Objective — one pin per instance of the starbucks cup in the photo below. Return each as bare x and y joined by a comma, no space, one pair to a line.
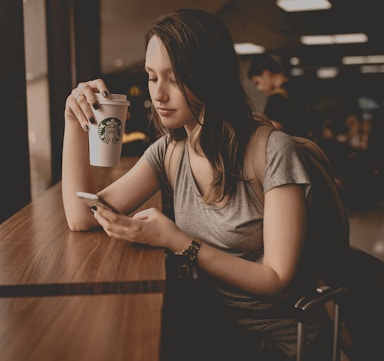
106,135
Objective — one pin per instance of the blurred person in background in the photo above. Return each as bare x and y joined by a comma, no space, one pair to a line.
267,74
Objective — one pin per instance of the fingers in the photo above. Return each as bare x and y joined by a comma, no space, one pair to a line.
107,219
113,224
81,99
74,113
80,108
88,90
103,213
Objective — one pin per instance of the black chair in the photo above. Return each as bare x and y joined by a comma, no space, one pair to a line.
308,304
358,310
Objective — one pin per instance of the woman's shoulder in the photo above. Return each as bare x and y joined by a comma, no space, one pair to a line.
159,146
156,151
163,152
272,138
281,141
284,162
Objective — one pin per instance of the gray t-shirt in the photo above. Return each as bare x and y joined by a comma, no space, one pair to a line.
237,227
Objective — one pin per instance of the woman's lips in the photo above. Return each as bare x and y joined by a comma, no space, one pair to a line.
165,112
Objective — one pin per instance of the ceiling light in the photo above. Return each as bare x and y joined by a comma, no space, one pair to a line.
370,69
351,60
303,5
330,72
368,59
334,39
248,48
316,39
371,59
294,61
297,72
350,38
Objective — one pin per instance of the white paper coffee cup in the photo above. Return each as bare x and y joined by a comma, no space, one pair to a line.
106,135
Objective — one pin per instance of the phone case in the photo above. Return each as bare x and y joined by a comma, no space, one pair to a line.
93,200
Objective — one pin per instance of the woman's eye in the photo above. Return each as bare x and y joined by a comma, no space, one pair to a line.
152,79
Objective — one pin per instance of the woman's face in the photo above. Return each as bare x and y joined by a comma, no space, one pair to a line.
168,100
263,82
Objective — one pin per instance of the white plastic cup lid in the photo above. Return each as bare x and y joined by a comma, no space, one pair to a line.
112,98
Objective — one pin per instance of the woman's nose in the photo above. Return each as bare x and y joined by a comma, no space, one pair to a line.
159,91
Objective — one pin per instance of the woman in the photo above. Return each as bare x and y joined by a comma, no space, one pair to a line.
250,255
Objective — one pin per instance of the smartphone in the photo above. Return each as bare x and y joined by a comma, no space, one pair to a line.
94,200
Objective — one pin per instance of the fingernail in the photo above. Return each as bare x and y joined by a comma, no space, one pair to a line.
85,127
105,93
95,106
93,209
92,120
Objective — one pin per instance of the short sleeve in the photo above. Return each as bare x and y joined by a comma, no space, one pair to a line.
284,163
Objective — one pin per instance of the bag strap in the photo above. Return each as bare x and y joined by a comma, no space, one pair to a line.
255,158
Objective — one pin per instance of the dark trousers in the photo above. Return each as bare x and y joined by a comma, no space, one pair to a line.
195,328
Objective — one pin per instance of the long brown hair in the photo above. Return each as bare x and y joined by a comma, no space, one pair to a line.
205,65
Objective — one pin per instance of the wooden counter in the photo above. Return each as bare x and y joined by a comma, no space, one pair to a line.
39,255
81,328
80,296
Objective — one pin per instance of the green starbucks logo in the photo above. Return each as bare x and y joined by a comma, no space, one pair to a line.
110,130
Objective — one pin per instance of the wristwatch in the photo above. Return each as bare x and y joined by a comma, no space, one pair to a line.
186,261
191,252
